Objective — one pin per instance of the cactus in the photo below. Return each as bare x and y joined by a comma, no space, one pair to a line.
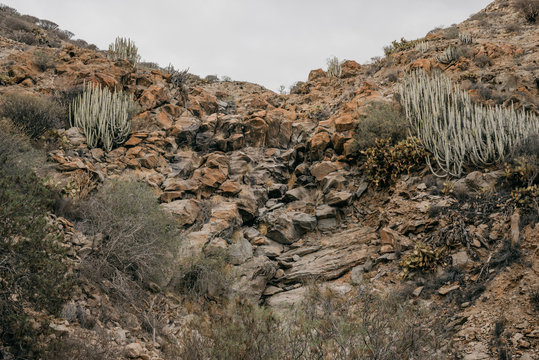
334,67
124,48
103,116
450,55
454,130
466,38
422,46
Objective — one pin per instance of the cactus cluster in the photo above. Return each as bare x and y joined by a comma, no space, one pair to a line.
457,132
334,67
449,55
422,46
103,116
124,48
465,38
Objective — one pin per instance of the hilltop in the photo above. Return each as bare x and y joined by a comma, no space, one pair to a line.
226,199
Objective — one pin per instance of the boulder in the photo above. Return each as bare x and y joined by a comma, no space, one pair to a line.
186,211
338,198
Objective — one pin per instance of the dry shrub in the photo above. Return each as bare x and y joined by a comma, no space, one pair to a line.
31,113
136,236
206,276
529,8
381,121
325,325
43,59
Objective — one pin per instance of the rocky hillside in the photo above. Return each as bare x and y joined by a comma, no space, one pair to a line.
281,187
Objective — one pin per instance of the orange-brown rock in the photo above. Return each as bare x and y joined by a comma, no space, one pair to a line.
344,122
316,74
350,68
319,143
154,96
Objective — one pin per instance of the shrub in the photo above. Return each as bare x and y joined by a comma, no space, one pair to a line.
103,116
334,67
482,61
43,60
17,156
205,276
401,45
381,121
124,48
33,271
529,8
33,114
299,88
384,162
138,237
324,325
457,132
451,32
423,258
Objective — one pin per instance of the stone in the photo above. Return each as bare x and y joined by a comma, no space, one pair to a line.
133,350
322,169
186,211
252,278
325,212
287,299
417,291
344,123
338,198
337,255
150,161
444,290
327,224
230,187
350,68
385,249
319,143
316,74
240,252
304,222
460,259
75,136
296,194
356,276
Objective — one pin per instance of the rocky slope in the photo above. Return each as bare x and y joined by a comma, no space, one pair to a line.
276,181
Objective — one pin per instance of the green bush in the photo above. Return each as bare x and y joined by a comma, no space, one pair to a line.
103,116
138,238
124,48
31,113
455,131
382,121
385,162
33,266
401,45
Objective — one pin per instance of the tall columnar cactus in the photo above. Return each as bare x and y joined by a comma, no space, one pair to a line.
103,116
334,67
465,38
449,55
124,48
456,131
422,46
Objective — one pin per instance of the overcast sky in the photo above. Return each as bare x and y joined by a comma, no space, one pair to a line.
269,42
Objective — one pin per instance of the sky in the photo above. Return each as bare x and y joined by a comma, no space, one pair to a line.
268,42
